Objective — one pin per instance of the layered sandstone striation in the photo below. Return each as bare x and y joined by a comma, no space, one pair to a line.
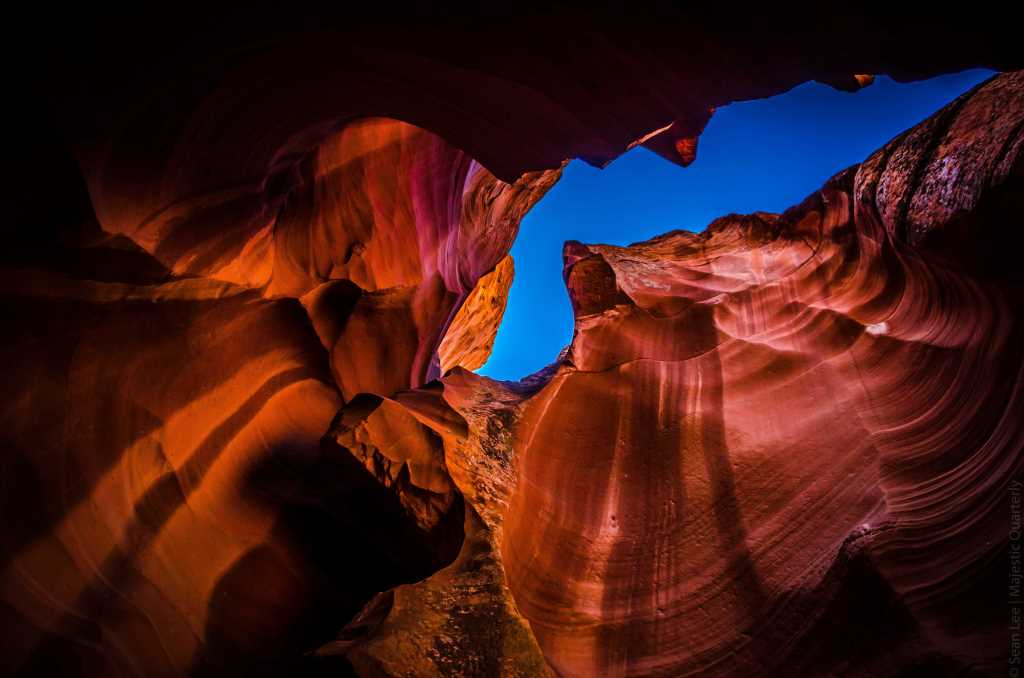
383,232
171,381
253,258
744,411
780,446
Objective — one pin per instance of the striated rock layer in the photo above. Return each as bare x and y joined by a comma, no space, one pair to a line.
779,447
251,257
744,412
383,232
169,387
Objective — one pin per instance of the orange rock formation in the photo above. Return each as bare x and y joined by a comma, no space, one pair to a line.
253,258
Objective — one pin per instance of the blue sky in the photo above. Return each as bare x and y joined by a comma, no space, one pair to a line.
757,155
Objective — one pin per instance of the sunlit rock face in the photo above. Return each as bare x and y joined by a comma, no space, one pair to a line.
782,412
250,258
169,387
383,231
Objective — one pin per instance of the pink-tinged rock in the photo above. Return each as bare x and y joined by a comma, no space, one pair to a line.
778,413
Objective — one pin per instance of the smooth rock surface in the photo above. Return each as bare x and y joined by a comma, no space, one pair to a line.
250,254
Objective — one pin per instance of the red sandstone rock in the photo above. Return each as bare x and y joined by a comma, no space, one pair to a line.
384,233
775,447
738,405
780,447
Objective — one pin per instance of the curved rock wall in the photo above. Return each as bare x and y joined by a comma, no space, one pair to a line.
743,408
383,231
166,404
233,277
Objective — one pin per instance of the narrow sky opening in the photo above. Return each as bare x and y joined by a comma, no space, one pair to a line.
763,155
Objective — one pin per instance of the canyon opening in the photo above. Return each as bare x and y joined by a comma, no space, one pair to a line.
331,351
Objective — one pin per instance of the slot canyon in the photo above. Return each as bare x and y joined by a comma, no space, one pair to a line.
254,259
